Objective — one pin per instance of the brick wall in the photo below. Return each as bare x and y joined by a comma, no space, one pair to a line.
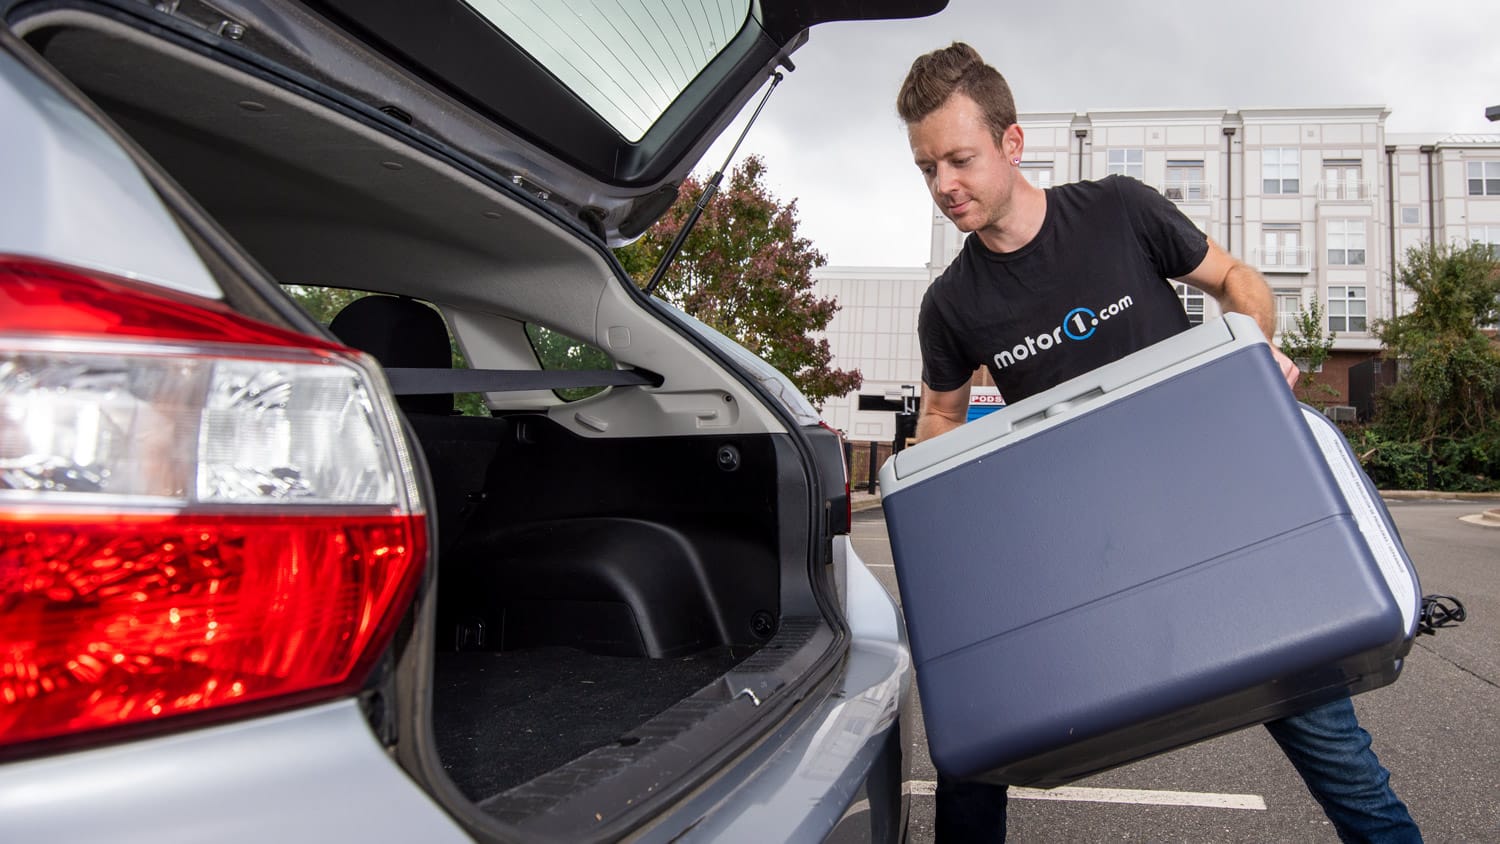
1335,374
859,454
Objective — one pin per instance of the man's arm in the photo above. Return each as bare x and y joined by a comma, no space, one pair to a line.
1237,287
942,411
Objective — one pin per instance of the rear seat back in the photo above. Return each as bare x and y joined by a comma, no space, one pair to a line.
400,333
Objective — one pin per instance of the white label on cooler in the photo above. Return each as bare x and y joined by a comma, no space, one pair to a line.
1371,523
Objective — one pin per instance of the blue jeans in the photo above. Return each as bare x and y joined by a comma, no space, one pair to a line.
1326,745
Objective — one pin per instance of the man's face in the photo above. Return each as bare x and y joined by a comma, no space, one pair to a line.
969,176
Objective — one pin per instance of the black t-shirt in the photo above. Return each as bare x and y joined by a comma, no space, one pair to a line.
1090,288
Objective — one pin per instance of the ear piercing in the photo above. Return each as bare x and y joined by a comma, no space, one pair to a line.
1016,161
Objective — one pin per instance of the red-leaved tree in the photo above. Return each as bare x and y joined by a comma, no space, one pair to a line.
744,270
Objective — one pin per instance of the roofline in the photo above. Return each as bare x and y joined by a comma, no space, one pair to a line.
1443,140
1160,113
870,273
1272,112
1171,113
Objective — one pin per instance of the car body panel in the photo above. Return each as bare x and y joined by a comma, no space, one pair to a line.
314,775
77,198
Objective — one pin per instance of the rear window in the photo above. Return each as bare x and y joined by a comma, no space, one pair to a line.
626,61
555,350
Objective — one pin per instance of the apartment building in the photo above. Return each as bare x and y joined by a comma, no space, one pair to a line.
1323,201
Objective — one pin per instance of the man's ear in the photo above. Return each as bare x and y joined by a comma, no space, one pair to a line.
1013,141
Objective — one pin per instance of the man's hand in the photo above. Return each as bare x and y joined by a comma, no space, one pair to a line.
1239,288
1289,370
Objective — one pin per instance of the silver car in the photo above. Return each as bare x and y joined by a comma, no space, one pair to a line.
260,578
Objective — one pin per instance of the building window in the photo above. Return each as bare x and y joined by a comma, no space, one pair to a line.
1484,178
1039,173
1346,243
1346,308
1282,246
1279,170
1127,162
1192,302
1184,180
1490,235
1342,179
1410,215
1288,304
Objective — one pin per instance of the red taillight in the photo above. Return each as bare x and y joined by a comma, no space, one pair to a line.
43,298
848,494
115,619
212,518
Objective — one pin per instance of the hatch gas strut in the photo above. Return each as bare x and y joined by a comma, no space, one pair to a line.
711,188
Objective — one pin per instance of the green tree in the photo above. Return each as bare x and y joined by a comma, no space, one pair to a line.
1441,420
323,303
744,271
1308,343
559,351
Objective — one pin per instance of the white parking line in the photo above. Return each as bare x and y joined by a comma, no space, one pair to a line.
1141,797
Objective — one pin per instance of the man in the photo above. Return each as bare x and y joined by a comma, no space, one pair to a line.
1034,260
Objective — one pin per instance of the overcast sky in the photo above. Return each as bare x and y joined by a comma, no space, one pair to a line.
832,141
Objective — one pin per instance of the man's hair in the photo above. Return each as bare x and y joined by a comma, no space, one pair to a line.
957,68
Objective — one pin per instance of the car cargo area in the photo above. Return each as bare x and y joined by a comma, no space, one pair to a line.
609,586
586,586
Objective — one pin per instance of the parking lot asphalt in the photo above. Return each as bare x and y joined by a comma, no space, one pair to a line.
1437,728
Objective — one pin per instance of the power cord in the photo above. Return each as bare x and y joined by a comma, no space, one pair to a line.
1440,611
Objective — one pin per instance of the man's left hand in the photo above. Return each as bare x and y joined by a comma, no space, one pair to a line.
1289,370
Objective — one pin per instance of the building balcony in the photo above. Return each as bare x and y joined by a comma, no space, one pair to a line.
1346,191
1187,191
1285,260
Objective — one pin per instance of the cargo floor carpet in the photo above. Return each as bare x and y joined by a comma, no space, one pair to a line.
502,718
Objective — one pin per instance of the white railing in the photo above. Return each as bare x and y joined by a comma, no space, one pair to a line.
1186,191
1292,257
1345,190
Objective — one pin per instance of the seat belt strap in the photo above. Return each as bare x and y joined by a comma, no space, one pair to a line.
416,381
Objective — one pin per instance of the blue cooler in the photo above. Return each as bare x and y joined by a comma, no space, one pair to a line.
1162,550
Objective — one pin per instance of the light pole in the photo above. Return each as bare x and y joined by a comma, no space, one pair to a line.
906,420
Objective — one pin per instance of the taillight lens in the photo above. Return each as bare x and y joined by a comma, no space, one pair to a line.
844,463
196,509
